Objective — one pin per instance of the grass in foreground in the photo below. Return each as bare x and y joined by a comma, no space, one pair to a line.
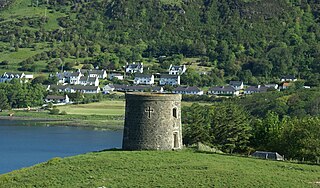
162,169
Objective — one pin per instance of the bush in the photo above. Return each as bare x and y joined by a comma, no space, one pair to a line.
54,111
63,113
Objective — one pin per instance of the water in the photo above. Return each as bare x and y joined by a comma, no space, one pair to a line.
23,146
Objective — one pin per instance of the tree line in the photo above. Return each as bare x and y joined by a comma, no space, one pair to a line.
284,122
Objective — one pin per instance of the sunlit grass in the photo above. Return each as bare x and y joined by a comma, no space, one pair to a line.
162,169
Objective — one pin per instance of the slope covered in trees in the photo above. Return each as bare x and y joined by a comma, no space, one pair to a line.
255,41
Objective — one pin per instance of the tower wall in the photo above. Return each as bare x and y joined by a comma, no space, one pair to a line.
152,122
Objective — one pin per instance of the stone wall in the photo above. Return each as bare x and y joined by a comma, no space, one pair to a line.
152,122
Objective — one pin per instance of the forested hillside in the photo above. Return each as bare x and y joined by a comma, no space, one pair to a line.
250,40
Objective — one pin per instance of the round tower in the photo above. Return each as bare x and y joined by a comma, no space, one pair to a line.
152,122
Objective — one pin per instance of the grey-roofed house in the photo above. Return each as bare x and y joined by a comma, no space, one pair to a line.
168,79
274,86
138,88
288,78
74,88
75,77
144,88
238,85
255,89
108,88
101,74
8,76
91,81
268,155
188,90
115,75
63,77
177,69
145,79
134,68
223,90
57,99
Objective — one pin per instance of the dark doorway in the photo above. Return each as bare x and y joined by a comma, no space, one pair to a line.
175,140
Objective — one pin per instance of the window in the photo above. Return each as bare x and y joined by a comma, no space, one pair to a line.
174,112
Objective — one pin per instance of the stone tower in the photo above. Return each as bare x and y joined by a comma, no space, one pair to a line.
152,122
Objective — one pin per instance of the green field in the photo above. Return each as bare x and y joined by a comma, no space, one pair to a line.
100,108
162,169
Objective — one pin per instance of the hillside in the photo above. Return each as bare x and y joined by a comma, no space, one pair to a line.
162,169
255,41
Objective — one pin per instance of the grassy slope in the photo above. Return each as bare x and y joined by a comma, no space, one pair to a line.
162,169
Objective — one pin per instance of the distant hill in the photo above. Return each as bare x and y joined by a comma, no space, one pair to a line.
162,169
254,41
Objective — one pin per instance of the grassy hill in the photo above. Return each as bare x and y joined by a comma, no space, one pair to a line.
162,169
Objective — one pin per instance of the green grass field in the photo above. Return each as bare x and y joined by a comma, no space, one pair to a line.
100,108
162,169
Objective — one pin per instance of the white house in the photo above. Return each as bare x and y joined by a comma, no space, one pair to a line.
223,90
101,74
237,85
8,76
63,77
74,89
115,75
57,99
274,86
144,79
134,68
91,81
108,89
177,69
255,89
288,78
75,78
188,90
168,79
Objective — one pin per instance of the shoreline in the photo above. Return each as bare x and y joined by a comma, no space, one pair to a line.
67,122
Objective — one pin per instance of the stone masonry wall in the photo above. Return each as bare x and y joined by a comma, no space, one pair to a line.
150,122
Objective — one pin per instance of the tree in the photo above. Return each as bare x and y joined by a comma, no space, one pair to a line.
230,127
4,103
196,125
39,80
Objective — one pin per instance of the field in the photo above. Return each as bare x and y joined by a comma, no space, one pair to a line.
101,108
162,169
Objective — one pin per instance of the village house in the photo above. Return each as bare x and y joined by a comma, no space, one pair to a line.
91,81
167,79
75,78
255,89
177,70
100,74
237,85
74,89
138,88
223,90
8,76
57,99
273,86
63,77
134,68
144,88
115,75
144,79
107,89
288,78
188,90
